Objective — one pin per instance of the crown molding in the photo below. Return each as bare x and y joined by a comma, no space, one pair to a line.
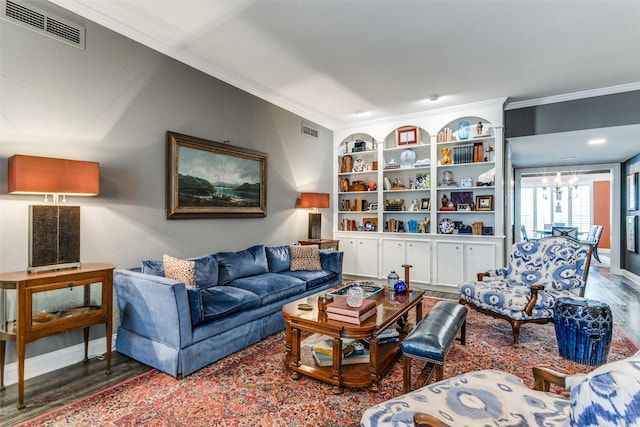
573,96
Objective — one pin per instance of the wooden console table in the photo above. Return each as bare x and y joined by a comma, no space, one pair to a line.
52,303
322,243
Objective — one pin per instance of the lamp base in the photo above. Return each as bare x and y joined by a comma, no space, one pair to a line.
315,224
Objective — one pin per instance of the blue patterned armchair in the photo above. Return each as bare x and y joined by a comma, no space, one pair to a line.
608,396
538,273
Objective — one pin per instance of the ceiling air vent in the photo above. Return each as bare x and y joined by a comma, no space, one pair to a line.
42,22
309,131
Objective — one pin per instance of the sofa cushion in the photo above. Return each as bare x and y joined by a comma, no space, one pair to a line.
608,396
278,258
248,262
314,278
179,270
206,269
270,286
304,257
221,301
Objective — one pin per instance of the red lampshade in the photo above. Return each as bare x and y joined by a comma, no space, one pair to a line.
314,200
45,175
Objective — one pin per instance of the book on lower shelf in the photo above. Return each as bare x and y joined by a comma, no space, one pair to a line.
387,336
325,347
323,360
351,319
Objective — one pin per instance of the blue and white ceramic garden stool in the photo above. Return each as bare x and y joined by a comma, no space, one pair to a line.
583,329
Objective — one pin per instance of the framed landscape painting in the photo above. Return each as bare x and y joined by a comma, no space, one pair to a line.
207,179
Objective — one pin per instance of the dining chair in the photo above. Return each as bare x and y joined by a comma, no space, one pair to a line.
565,231
523,229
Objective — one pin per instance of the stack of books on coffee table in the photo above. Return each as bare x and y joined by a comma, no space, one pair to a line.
339,310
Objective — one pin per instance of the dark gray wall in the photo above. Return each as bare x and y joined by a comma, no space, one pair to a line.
113,104
631,260
590,113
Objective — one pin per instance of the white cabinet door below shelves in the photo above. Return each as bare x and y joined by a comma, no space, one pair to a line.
360,256
479,257
392,256
449,263
418,254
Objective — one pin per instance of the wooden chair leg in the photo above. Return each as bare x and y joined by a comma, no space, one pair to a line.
406,374
516,331
463,333
439,372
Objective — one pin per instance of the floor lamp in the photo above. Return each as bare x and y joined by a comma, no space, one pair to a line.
314,201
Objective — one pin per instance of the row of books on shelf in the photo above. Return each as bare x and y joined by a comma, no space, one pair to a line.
358,205
471,153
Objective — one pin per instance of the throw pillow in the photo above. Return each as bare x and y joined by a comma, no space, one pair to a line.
178,269
206,270
608,396
245,263
305,257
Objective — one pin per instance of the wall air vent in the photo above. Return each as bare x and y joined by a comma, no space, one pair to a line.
43,22
309,131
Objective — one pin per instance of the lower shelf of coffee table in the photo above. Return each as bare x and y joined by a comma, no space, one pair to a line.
358,375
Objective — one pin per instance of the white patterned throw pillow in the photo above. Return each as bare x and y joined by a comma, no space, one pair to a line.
304,257
608,396
179,269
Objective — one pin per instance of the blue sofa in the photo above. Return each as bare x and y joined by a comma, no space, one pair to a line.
236,302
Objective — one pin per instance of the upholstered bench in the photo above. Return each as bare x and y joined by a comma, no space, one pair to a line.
432,338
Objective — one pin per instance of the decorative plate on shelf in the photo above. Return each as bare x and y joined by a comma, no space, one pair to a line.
447,226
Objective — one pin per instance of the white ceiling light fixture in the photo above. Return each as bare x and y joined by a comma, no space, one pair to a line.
597,141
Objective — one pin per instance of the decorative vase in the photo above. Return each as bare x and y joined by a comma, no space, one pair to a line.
392,278
407,159
400,287
355,296
444,200
463,130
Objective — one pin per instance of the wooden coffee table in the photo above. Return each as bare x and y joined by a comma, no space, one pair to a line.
392,310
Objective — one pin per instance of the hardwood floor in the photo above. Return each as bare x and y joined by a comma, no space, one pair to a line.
58,388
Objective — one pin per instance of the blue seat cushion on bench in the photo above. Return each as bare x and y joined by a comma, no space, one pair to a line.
432,336
313,278
221,301
270,287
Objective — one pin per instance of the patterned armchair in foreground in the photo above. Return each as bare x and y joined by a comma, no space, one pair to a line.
607,397
538,273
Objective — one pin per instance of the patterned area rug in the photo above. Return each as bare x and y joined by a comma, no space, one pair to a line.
253,388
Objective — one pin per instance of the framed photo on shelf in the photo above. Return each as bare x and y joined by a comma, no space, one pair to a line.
631,233
207,179
484,203
632,192
409,135
425,204
463,207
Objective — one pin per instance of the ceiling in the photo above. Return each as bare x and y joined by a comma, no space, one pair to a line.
339,63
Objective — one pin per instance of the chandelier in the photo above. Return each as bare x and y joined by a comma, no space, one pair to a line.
557,187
